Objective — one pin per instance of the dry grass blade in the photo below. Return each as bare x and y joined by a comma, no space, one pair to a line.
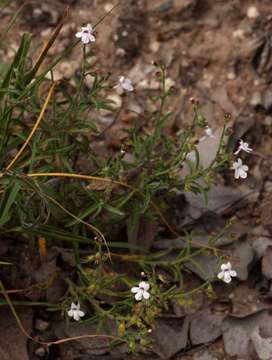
44,51
96,231
34,128
107,180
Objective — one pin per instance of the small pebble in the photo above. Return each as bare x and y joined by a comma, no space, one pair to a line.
46,33
267,99
231,295
40,352
37,12
256,99
41,325
231,75
268,120
169,83
238,34
108,7
155,46
252,12
120,52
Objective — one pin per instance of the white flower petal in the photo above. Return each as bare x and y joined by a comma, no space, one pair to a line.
89,28
126,84
144,285
79,34
135,289
233,273
146,295
85,38
78,306
244,167
139,296
80,313
227,278
229,266
73,306
236,174
91,37
209,132
225,266
221,275
70,313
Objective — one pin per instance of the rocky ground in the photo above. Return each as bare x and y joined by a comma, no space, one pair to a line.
220,53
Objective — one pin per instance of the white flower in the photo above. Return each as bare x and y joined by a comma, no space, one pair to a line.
75,312
226,273
209,134
240,170
191,156
243,146
86,34
125,83
141,291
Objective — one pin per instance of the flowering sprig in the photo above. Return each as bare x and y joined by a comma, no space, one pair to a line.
226,274
141,291
243,146
75,312
209,134
240,170
86,34
125,83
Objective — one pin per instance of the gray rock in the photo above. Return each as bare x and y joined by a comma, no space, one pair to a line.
256,99
243,255
260,245
219,197
263,346
204,356
267,99
205,327
239,332
206,267
41,325
170,337
267,263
